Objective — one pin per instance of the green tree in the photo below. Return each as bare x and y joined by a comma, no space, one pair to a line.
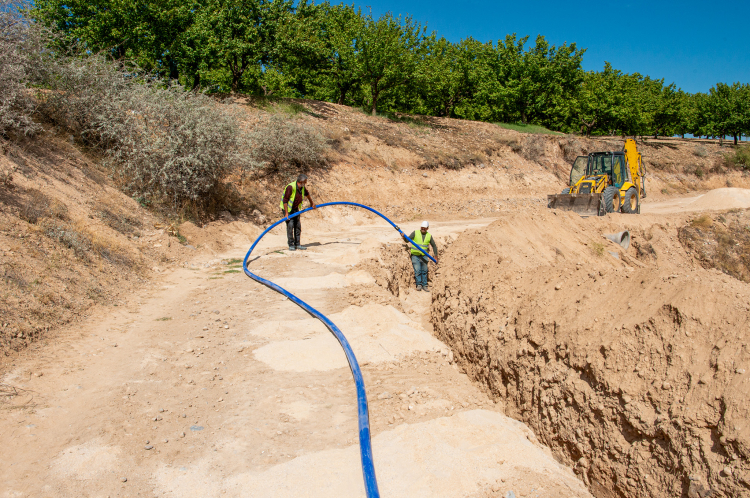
326,52
448,76
146,32
237,35
389,52
728,108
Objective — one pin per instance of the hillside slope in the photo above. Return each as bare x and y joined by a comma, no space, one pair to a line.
71,240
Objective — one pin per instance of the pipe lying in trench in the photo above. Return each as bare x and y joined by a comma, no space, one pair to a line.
365,445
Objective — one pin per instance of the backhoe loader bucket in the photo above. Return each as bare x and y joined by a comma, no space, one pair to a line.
583,204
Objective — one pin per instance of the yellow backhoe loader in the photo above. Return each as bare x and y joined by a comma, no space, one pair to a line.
604,182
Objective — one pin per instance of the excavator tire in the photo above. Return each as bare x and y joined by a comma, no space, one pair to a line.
611,199
566,191
631,203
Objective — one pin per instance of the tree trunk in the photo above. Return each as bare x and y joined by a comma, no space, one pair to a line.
375,102
735,139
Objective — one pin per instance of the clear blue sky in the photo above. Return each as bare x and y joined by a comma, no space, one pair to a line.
693,44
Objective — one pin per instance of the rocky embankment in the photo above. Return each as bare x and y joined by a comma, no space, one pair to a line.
632,365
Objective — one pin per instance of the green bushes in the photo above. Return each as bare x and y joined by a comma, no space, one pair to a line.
741,157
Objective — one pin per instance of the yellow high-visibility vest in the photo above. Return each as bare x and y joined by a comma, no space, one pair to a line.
291,199
424,244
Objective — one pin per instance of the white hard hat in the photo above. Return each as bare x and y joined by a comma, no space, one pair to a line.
425,224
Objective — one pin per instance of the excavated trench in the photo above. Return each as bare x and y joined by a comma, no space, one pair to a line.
631,365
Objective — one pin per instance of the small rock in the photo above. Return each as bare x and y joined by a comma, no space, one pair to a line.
182,434
727,471
161,410
205,328
226,326
124,479
166,440
411,407
510,494
557,287
666,385
184,415
149,447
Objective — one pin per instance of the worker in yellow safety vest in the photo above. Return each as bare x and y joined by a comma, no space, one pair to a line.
294,195
425,240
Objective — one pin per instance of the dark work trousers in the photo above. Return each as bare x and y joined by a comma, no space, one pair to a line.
293,228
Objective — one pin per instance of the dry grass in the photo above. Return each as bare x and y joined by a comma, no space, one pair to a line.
703,221
598,248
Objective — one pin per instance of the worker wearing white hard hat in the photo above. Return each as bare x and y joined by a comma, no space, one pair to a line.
425,240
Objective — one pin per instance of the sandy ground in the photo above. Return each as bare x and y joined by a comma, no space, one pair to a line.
714,200
212,385
631,364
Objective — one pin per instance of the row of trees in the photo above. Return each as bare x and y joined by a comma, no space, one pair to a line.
338,53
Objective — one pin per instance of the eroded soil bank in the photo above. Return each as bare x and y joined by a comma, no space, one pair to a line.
631,365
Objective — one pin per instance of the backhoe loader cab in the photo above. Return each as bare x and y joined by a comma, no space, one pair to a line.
604,182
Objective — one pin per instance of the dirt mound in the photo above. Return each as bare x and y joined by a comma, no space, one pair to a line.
720,241
631,365
722,198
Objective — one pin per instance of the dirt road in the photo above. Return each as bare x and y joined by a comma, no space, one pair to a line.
212,385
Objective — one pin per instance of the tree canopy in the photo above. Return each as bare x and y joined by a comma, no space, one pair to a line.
387,64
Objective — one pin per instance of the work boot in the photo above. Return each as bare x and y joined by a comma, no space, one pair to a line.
426,288
292,248
302,248
419,287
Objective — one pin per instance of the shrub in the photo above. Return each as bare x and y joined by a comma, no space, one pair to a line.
16,46
703,221
73,239
700,151
280,144
741,157
161,142
170,143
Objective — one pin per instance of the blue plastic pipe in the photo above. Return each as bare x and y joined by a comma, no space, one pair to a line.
365,445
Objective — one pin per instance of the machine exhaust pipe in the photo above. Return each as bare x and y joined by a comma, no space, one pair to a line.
621,238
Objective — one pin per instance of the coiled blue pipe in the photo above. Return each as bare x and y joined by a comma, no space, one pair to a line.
365,445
